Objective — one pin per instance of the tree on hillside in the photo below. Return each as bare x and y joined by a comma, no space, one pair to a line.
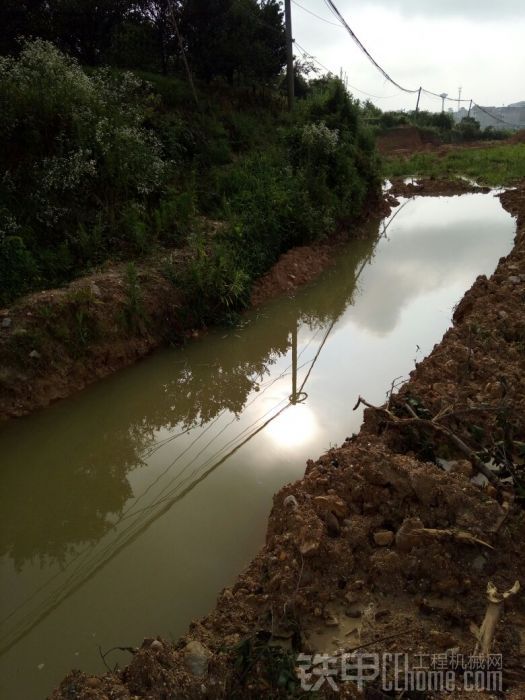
234,38
156,15
20,18
85,29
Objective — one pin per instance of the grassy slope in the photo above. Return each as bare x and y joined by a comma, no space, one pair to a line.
493,166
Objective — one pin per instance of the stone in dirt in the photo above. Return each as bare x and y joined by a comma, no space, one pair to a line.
196,658
383,538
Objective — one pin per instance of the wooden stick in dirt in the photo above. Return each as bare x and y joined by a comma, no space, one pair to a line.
485,633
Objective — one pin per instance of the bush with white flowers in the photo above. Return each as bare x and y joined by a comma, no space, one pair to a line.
75,155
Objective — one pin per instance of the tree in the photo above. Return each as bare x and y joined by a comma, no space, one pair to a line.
20,18
157,16
85,29
234,38
469,129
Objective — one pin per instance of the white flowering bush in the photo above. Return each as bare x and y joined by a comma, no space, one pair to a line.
332,152
318,139
75,155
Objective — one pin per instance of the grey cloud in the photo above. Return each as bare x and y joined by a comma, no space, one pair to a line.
469,9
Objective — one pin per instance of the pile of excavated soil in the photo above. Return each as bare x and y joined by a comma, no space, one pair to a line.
378,548
518,137
405,139
293,269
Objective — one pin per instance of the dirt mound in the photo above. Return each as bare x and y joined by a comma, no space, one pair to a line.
518,137
293,269
427,187
404,139
56,342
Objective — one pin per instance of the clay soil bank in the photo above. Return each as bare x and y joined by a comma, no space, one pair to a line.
378,548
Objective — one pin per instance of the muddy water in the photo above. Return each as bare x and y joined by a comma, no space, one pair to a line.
125,510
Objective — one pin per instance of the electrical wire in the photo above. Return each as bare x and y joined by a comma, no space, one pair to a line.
337,14
334,24
331,5
446,98
307,54
493,116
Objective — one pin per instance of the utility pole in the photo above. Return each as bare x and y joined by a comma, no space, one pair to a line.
293,397
183,52
443,96
418,98
289,53
459,99
469,108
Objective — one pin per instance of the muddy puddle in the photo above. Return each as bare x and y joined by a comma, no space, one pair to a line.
126,509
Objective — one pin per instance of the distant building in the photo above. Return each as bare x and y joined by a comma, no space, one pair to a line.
511,114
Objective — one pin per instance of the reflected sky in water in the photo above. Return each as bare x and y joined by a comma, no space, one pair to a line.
125,510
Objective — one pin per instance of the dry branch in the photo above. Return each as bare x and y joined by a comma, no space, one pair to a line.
457,535
436,427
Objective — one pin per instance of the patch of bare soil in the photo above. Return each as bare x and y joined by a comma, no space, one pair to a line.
378,549
518,137
56,342
303,264
405,139
294,269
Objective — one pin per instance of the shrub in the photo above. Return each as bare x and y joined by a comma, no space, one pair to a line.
77,161
318,171
17,267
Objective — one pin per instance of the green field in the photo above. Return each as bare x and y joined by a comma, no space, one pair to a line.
493,166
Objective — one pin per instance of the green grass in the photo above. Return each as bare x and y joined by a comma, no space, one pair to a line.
493,166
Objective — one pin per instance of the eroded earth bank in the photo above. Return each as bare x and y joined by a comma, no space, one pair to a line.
388,543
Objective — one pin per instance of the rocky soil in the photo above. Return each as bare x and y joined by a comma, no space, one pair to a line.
388,543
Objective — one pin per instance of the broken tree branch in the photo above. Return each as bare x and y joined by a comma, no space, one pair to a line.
130,650
436,427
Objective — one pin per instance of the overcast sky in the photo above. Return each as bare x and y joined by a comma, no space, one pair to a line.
439,44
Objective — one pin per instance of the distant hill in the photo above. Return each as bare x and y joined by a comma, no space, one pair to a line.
513,115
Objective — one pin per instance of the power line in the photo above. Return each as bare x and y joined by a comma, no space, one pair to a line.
307,54
363,48
334,24
447,98
493,116
333,8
